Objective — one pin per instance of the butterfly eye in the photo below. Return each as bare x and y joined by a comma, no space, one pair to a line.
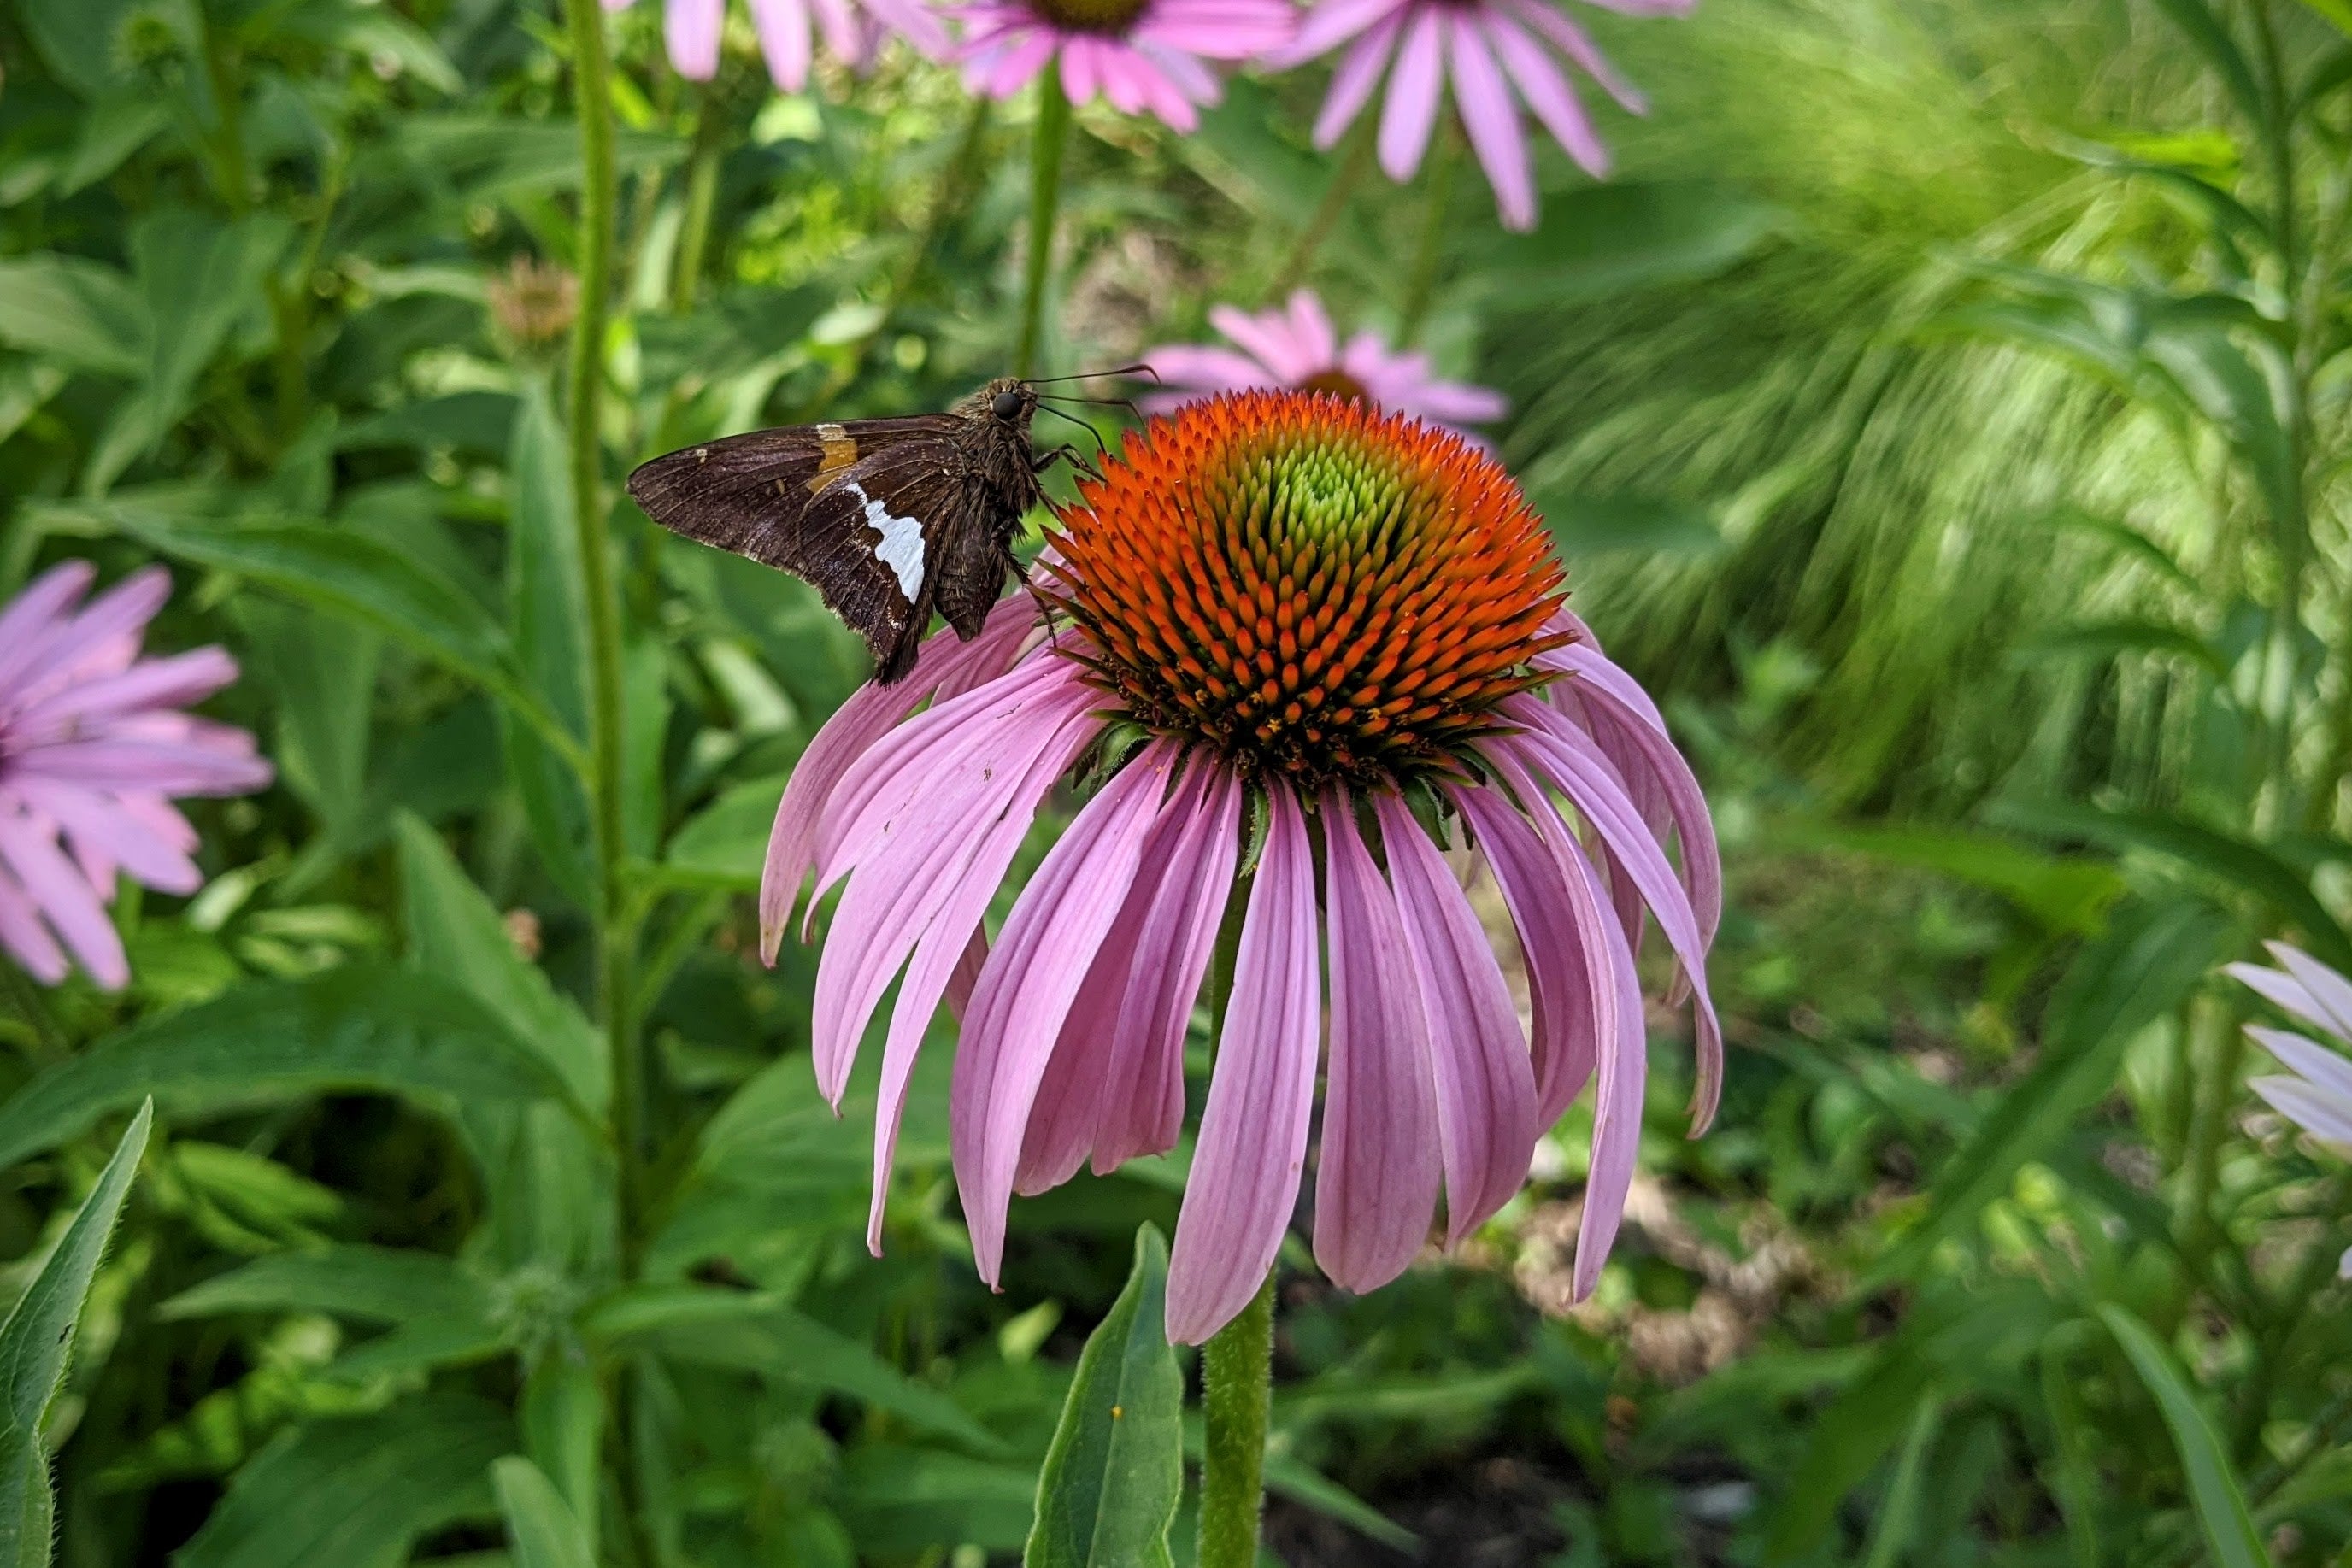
1007,405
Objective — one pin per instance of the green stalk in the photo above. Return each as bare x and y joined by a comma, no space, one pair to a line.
1423,283
701,198
1237,1364
1051,138
599,196
1326,215
2221,1044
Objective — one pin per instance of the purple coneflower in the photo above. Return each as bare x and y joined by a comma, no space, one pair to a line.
1499,52
852,30
92,747
1141,55
2317,1097
1296,348
1284,619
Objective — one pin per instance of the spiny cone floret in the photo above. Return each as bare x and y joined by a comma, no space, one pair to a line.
1320,591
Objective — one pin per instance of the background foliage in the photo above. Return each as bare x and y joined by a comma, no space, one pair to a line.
1945,406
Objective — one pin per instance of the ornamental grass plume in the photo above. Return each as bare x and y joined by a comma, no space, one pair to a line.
1498,53
2316,1094
1295,347
1143,56
1307,643
92,747
852,30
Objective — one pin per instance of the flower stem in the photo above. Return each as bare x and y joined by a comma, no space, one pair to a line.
1423,281
1236,1388
1237,1364
1052,137
702,197
1327,216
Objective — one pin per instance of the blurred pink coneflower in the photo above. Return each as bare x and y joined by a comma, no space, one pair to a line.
1282,617
92,748
1143,55
1499,53
852,29
2316,1094
1296,348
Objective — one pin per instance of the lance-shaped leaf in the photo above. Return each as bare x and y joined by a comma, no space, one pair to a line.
1108,1489
35,1343
541,1528
2213,1490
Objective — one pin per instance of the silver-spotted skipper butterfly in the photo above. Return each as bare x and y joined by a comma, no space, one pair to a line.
889,519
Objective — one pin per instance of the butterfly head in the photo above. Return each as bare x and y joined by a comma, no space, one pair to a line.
1009,402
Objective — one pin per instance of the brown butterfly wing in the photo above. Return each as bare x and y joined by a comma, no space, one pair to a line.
771,495
887,510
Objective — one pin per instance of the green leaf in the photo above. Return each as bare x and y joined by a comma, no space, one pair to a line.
80,39
1898,1515
2109,639
724,844
2213,1487
323,670
2338,12
2240,862
2075,1480
1113,1475
374,33
37,1341
1595,524
354,575
2206,34
81,312
752,1332
898,1501
2063,895
456,933
1599,240
196,277
363,1026
547,597
375,1284
2149,960
540,1527
563,1426
357,1492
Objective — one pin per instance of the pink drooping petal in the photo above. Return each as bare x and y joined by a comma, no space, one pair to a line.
916,864
173,682
691,29
1485,1080
1310,327
1571,40
783,30
1454,402
1568,756
1352,84
1221,30
871,713
30,617
1144,1112
155,767
1076,1094
2331,991
101,638
100,829
1080,78
1033,976
1269,341
1492,119
1253,1145
26,939
837,22
1565,980
954,949
1376,1185
2329,1070
1203,370
1175,85
1329,25
1411,112
2323,1116
1001,72
1615,701
1548,93
70,906
915,22
966,973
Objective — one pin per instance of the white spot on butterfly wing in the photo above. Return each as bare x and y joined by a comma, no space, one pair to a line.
902,549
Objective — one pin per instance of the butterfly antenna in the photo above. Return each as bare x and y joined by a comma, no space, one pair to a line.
1139,369
1125,403
1082,424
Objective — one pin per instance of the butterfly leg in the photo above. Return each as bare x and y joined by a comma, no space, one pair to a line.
1065,453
